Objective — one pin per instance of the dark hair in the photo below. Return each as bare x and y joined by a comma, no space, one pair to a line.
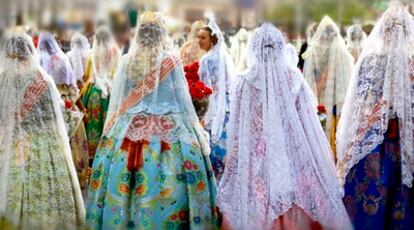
213,37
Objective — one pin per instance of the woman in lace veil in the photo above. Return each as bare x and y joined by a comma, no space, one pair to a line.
217,71
100,70
57,64
375,138
152,169
310,31
78,55
38,183
191,51
238,49
280,173
328,68
355,38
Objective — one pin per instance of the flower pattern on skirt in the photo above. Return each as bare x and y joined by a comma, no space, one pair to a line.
375,197
168,185
96,109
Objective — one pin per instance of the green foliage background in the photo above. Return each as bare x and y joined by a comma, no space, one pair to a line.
344,12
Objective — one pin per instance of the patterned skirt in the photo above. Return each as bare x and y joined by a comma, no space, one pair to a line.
96,109
150,184
42,193
79,146
218,151
375,197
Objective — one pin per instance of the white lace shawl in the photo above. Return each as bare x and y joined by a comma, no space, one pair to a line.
35,155
78,55
238,49
217,71
355,38
278,155
54,61
105,56
328,67
381,88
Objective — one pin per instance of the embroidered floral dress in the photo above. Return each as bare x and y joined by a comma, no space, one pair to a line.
95,95
217,71
38,183
375,135
151,170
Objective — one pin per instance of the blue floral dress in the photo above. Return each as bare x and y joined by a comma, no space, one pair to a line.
150,171
375,197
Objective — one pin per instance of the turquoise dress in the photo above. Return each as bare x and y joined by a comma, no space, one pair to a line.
150,170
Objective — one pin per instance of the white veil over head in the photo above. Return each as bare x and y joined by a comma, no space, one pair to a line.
140,74
239,47
278,156
79,54
217,70
105,55
37,174
355,38
144,57
328,67
54,61
191,51
310,31
195,27
381,88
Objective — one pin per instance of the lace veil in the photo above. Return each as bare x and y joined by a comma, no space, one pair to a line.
78,55
238,48
191,51
105,56
328,66
37,174
146,58
355,38
278,155
217,71
54,61
381,88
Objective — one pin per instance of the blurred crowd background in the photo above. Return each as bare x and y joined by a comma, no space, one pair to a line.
63,17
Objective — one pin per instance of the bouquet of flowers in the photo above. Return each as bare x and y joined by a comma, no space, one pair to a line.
198,90
322,115
72,117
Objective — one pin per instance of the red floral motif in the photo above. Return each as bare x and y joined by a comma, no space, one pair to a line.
182,215
382,190
372,166
188,165
143,126
360,189
174,217
124,188
166,124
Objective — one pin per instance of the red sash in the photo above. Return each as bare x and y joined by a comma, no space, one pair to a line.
32,94
144,88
